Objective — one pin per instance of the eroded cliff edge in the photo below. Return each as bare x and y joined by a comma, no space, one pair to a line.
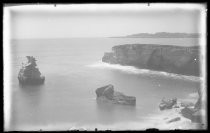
167,58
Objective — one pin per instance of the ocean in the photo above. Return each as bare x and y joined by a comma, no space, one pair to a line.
73,70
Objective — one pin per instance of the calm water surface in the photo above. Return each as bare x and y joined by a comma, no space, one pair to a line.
67,99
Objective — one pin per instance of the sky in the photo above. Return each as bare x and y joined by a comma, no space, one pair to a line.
66,21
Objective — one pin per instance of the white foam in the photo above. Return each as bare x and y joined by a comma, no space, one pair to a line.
134,70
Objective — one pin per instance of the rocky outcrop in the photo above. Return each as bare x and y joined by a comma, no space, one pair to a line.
185,109
167,104
29,73
106,91
194,113
174,119
187,104
172,59
108,95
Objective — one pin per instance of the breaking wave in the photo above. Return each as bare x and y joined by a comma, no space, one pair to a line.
134,70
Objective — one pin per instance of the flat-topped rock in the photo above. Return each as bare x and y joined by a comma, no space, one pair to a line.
29,73
108,95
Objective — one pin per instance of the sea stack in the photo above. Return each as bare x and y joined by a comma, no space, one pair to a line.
29,73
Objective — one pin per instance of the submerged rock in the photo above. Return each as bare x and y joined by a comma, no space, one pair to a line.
167,104
29,73
174,120
107,94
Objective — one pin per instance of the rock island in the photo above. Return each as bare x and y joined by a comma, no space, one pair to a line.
29,73
108,95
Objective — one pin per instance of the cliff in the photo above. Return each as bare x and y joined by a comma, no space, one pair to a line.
172,59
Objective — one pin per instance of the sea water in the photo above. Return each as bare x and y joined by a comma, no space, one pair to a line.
73,70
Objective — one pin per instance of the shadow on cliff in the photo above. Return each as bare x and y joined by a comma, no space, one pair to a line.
164,58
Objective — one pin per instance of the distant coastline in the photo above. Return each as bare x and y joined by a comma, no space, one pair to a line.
161,35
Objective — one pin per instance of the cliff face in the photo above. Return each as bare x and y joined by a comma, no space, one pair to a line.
172,59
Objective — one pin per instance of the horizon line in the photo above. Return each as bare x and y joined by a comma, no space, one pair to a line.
103,36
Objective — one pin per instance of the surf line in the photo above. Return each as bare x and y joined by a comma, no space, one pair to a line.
134,70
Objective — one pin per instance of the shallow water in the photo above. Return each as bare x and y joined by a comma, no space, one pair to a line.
73,72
